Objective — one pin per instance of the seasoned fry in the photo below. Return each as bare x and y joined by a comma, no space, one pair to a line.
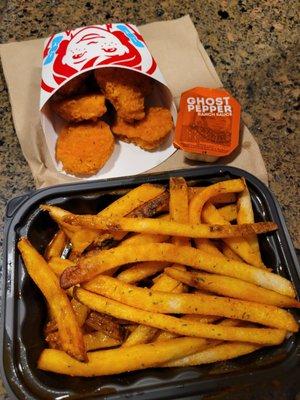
172,228
222,198
98,340
245,215
143,238
229,212
141,271
81,311
132,200
164,335
232,287
149,209
90,266
56,246
116,361
198,201
93,341
230,253
58,265
179,206
184,303
221,352
205,319
210,215
105,324
141,334
144,334
135,198
207,246
69,331
181,327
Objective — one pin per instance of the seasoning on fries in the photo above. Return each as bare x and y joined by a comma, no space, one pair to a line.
162,277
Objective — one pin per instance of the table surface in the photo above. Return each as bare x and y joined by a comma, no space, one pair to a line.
252,45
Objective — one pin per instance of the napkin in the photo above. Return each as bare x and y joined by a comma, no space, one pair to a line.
184,63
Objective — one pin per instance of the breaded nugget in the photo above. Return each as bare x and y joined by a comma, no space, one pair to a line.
81,108
73,86
84,148
126,90
148,133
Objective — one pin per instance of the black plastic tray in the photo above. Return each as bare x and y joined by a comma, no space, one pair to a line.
24,309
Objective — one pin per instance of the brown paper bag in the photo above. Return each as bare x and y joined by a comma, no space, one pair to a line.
184,63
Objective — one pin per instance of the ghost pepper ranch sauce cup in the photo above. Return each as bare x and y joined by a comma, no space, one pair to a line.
208,124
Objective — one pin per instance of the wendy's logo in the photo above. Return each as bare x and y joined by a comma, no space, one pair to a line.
68,53
95,44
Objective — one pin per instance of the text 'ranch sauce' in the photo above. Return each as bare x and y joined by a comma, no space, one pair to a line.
208,124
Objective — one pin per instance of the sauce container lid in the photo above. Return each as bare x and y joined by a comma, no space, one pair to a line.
208,122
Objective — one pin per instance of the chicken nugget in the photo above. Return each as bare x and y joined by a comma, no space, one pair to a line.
125,89
148,133
73,86
84,148
80,108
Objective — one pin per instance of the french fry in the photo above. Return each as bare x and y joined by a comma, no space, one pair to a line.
116,361
144,334
104,323
221,352
245,215
98,340
230,253
207,246
232,287
176,325
132,200
143,238
185,303
141,271
171,228
141,334
179,201
91,266
164,335
153,206
222,198
229,212
198,201
205,319
148,209
69,331
58,265
179,206
56,246
240,246
81,312
81,239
